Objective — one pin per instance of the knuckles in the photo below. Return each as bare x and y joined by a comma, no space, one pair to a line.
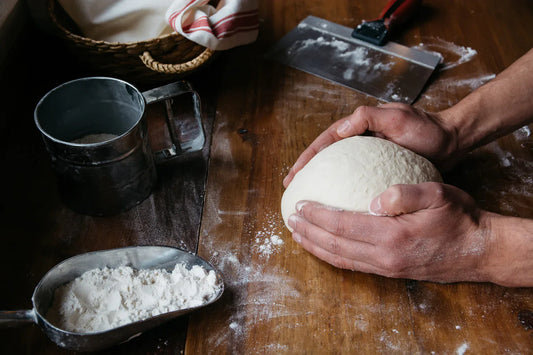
393,258
391,198
337,224
333,246
394,264
342,263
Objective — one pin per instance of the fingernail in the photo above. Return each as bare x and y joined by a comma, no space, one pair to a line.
344,128
375,207
297,237
300,206
287,176
293,220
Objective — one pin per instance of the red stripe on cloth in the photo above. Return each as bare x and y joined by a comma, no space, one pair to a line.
239,22
228,34
236,24
177,13
201,21
239,30
237,14
232,21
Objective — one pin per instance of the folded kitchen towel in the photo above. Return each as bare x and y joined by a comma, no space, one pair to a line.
232,23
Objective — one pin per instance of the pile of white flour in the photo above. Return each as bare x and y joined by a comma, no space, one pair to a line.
103,299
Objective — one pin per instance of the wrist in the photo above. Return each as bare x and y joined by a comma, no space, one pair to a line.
508,256
463,123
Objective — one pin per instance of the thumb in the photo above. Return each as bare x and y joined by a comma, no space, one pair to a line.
408,198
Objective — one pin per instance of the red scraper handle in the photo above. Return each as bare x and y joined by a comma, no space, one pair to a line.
397,12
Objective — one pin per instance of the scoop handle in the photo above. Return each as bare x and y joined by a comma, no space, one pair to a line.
14,318
397,12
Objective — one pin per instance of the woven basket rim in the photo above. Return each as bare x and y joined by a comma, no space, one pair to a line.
169,55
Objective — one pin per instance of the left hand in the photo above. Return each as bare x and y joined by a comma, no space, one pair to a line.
427,231
427,134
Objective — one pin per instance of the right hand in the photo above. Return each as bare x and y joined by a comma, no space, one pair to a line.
424,133
428,231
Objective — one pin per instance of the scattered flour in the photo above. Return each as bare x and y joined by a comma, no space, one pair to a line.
273,297
447,91
102,299
348,74
267,239
354,62
358,56
462,349
452,53
513,167
268,244
522,133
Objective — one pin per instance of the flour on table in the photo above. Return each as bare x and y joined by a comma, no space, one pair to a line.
522,133
462,349
267,244
267,239
102,299
454,54
446,91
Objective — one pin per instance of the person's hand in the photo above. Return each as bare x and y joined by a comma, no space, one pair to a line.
424,133
427,231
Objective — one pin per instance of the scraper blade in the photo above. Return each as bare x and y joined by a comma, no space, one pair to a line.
392,72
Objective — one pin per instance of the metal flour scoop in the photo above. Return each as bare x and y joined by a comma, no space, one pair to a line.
139,257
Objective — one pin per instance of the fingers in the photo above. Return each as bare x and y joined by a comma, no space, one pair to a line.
378,120
359,226
335,250
355,124
381,121
325,139
335,259
409,198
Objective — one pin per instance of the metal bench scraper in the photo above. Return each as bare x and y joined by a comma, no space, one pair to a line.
389,72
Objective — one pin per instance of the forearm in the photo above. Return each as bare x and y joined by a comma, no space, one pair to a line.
508,258
495,109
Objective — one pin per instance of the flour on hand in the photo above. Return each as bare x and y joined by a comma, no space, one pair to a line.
102,299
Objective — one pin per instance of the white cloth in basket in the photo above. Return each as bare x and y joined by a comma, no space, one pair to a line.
232,23
119,20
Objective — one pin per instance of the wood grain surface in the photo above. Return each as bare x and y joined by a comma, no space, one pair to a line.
279,298
225,203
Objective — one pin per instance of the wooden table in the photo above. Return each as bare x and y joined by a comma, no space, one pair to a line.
225,204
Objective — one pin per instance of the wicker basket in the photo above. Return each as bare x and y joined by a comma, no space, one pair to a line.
154,61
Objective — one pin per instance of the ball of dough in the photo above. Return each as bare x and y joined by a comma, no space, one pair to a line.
350,173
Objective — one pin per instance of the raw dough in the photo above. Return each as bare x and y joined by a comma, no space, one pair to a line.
350,173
